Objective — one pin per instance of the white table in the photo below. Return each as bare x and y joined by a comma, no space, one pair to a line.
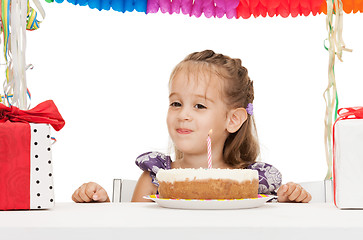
149,221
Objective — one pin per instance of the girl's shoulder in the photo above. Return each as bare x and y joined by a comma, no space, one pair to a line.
262,166
153,161
270,178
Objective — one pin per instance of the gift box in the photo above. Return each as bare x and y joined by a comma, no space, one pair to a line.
26,176
348,158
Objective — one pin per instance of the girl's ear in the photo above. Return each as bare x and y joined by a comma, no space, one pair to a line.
236,117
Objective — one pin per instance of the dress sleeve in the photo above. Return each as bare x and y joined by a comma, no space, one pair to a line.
152,162
269,177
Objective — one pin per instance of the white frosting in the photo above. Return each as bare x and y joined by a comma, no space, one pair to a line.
189,174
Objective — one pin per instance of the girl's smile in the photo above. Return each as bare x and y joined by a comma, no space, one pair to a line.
184,131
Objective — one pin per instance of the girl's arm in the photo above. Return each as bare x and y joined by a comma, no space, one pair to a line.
144,187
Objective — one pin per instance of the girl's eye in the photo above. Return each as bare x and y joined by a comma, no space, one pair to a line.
200,106
175,104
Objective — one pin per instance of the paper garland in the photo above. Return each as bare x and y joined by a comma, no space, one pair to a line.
210,8
220,8
116,5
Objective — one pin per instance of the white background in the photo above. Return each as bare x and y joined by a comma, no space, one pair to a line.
108,74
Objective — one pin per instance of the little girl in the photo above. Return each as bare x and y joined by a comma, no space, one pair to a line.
207,91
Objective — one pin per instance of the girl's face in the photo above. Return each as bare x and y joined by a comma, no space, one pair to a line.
195,107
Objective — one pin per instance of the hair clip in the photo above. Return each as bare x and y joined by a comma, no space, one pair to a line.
249,109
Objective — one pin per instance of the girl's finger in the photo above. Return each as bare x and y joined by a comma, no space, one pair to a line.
90,189
83,195
282,190
307,199
296,193
302,196
75,197
100,195
292,187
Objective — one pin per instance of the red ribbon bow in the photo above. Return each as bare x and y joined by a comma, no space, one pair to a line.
350,113
45,112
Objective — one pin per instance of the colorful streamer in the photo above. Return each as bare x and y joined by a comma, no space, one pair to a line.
210,8
283,8
23,17
116,5
33,22
220,8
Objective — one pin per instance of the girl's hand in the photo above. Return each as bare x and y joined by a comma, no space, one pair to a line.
293,192
90,192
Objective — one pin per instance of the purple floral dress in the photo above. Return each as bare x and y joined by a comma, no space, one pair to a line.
269,177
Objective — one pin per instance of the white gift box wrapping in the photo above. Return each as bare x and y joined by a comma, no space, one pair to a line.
348,163
41,189
41,170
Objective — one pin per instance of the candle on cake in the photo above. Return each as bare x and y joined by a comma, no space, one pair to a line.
209,148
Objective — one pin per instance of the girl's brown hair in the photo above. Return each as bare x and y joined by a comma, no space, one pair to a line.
240,148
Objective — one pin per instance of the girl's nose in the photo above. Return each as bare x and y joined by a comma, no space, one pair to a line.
185,114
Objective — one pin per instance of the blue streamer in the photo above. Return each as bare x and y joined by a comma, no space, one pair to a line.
116,5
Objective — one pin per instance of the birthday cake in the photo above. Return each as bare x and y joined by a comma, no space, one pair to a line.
207,183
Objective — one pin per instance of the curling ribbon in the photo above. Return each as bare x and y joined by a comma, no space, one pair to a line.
15,89
5,9
334,24
32,20
15,150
